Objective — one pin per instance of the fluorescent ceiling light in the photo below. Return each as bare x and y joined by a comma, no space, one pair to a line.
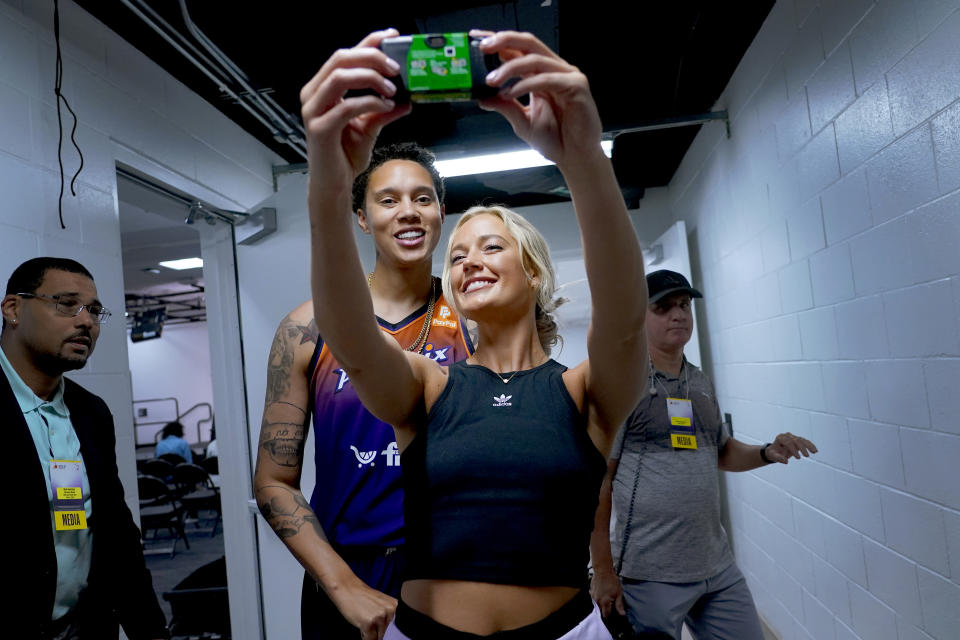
500,162
179,265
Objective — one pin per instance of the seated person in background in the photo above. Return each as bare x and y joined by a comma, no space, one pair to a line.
173,442
212,450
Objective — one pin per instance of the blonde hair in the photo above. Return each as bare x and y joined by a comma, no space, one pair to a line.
535,257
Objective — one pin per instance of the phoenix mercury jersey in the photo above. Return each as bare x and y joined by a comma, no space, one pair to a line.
358,496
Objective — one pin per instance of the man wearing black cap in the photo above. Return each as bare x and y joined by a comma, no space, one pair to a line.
673,563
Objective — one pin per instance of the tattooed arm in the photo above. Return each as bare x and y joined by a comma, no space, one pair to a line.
276,483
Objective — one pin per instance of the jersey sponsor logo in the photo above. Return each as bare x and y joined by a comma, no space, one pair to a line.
502,400
443,319
392,454
435,352
342,379
364,457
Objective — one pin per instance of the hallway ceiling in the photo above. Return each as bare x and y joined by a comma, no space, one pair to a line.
646,61
152,229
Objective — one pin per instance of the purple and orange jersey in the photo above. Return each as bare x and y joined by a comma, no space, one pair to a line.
358,496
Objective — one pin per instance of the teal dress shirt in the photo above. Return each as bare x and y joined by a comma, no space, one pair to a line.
55,439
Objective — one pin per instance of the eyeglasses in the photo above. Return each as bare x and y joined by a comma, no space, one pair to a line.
71,306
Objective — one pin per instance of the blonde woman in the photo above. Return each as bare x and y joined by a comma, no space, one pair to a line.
503,454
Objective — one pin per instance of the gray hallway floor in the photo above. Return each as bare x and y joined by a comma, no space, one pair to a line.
167,571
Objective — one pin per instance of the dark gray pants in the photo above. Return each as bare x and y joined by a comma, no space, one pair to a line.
718,608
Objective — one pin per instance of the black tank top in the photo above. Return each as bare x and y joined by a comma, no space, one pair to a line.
501,485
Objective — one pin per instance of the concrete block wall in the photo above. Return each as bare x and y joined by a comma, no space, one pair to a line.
127,106
826,230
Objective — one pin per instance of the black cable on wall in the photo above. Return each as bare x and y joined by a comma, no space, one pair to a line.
57,89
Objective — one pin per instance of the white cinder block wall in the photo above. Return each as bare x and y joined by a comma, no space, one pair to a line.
127,106
827,234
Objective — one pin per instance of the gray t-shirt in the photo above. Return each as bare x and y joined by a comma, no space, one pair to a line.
675,533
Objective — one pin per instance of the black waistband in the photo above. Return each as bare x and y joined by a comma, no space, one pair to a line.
417,626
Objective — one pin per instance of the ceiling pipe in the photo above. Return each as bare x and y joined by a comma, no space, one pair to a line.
221,84
208,68
672,122
278,117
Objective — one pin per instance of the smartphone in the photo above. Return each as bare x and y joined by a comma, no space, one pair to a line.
440,67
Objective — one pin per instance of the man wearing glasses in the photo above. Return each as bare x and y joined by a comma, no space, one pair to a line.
77,558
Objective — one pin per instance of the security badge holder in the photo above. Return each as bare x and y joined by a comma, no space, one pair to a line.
682,431
66,484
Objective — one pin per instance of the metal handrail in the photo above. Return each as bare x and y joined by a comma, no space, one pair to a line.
176,412
176,404
209,417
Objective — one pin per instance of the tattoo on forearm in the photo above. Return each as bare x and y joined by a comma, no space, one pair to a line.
290,404
280,362
283,442
286,510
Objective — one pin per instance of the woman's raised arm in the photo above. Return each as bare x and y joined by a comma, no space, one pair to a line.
561,121
341,132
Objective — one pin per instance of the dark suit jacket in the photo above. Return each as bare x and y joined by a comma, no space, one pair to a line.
119,590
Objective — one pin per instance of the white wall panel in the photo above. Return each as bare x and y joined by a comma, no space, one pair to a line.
893,579
941,380
805,229
940,599
817,618
818,334
871,618
848,113
831,274
861,328
833,589
803,56
877,454
896,392
831,90
840,17
846,207
915,528
933,248
881,258
929,462
902,176
928,78
845,389
861,509
833,438
920,321
885,35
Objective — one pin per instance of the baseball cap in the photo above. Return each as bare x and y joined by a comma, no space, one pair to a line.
664,282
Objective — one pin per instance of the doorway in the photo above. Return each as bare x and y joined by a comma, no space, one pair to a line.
169,354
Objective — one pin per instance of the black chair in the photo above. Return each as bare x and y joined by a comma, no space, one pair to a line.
159,509
197,492
158,468
211,464
172,458
199,604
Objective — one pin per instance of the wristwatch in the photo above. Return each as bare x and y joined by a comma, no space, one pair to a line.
763,453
